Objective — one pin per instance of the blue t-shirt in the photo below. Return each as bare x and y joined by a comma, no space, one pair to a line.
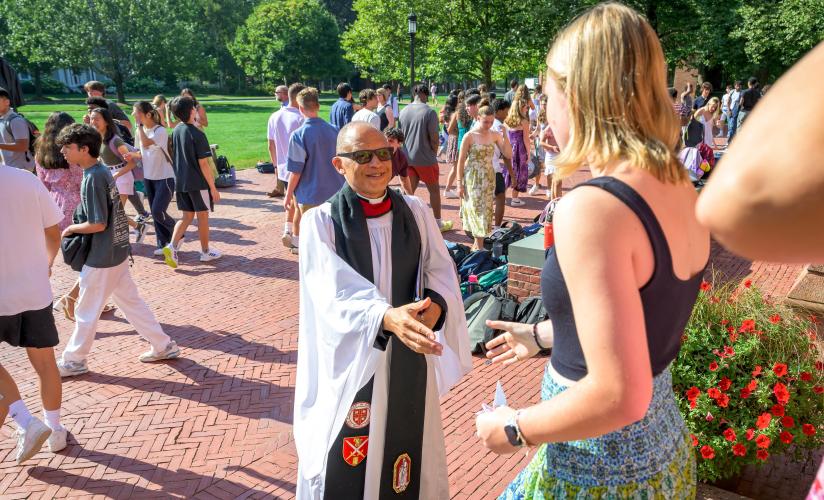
311,149
341,113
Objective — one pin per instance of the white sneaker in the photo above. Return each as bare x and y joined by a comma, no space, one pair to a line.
210,255
516,202
170,255
286,239
534,189
170,352
450,194
71,368
157,252
31,439
57,439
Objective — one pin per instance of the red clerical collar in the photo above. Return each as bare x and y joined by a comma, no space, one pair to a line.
371,210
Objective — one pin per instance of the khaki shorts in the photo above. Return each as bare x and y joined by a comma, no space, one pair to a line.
304,207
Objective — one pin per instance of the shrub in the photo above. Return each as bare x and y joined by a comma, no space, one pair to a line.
748,380
49,86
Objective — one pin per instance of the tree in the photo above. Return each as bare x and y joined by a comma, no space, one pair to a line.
288,40
29,36
342,10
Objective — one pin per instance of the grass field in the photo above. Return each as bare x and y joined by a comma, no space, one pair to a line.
236,124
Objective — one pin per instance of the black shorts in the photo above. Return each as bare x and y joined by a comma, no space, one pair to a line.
194,201
30,329
500,185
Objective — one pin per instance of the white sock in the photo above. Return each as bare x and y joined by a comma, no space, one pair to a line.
288,227
52,419
20,413
295,239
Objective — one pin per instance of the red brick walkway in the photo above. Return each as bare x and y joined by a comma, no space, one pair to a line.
217,422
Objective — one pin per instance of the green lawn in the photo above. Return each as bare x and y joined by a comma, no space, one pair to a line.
237,124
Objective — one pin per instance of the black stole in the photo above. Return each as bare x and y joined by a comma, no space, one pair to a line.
407,370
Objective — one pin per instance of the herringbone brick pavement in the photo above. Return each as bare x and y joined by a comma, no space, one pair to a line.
216,423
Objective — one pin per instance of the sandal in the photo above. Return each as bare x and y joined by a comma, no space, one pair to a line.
64,305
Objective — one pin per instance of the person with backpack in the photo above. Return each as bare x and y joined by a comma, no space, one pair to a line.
113,154
94,88
619,285
105,269
158,174
16,136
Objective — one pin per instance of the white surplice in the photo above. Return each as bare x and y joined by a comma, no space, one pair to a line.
341,314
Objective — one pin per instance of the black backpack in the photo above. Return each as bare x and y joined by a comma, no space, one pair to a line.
225,173
531,311
481,306
693,133
508,233
34,132
457,251
477,262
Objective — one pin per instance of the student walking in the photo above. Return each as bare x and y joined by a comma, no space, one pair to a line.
105,272
29,220
517,123
195,189
158,173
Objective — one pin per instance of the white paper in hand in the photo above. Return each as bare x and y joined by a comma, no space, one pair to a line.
500,397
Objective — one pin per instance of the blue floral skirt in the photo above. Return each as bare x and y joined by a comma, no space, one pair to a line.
651,458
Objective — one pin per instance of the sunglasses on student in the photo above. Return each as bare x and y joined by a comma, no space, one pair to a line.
364,156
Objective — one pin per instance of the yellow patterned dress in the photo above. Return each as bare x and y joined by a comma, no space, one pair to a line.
479,192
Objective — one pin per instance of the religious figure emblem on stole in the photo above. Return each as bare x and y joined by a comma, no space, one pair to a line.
355,449
400,473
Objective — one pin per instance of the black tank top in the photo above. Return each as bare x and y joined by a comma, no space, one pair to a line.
667,300
384,118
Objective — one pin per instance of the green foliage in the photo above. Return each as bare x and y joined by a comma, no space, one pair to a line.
48,85
748,381
291,39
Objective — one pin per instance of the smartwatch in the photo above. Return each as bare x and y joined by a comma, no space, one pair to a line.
513,432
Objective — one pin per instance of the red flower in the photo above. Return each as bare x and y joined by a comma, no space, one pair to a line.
762,454
693,393
729,351
777,410
752,385
739,450
747,325
725,383
694,440
780,369
713,392
709,417
808,429
814,319
763,420
819,365
781,393
714,300
749,434
692,403
707,452
724,322
731,330
745,393
747,283
723,401
762,441
705,287
775,319
786,437
713,366
729,434
806,376
757,371
733,335
787,421
818,389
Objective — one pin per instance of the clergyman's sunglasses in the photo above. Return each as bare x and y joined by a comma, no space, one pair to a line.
364,156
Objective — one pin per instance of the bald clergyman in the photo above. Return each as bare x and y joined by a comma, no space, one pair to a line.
373,359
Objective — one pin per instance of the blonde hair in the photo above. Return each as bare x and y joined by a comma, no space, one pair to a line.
485,110
609,64
307,98
717,102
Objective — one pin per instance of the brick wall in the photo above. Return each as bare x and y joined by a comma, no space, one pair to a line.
524,281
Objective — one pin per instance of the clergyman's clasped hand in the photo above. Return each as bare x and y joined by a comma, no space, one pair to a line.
412,324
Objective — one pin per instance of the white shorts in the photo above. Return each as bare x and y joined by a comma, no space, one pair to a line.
124,183
549,163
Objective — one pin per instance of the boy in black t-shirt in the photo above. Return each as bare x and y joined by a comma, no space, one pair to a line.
106,271
195,189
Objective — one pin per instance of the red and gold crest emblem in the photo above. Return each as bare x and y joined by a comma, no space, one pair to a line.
358,416
401,473
354,449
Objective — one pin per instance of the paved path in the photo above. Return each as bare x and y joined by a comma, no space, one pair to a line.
217,422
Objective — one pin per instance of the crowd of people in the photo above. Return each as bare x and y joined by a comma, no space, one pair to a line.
382,332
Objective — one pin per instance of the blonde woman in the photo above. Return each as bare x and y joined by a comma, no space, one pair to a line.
476,176
517,127
619,284
167,119
709,114
384,109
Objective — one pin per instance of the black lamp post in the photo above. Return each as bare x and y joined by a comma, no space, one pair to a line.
413,28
